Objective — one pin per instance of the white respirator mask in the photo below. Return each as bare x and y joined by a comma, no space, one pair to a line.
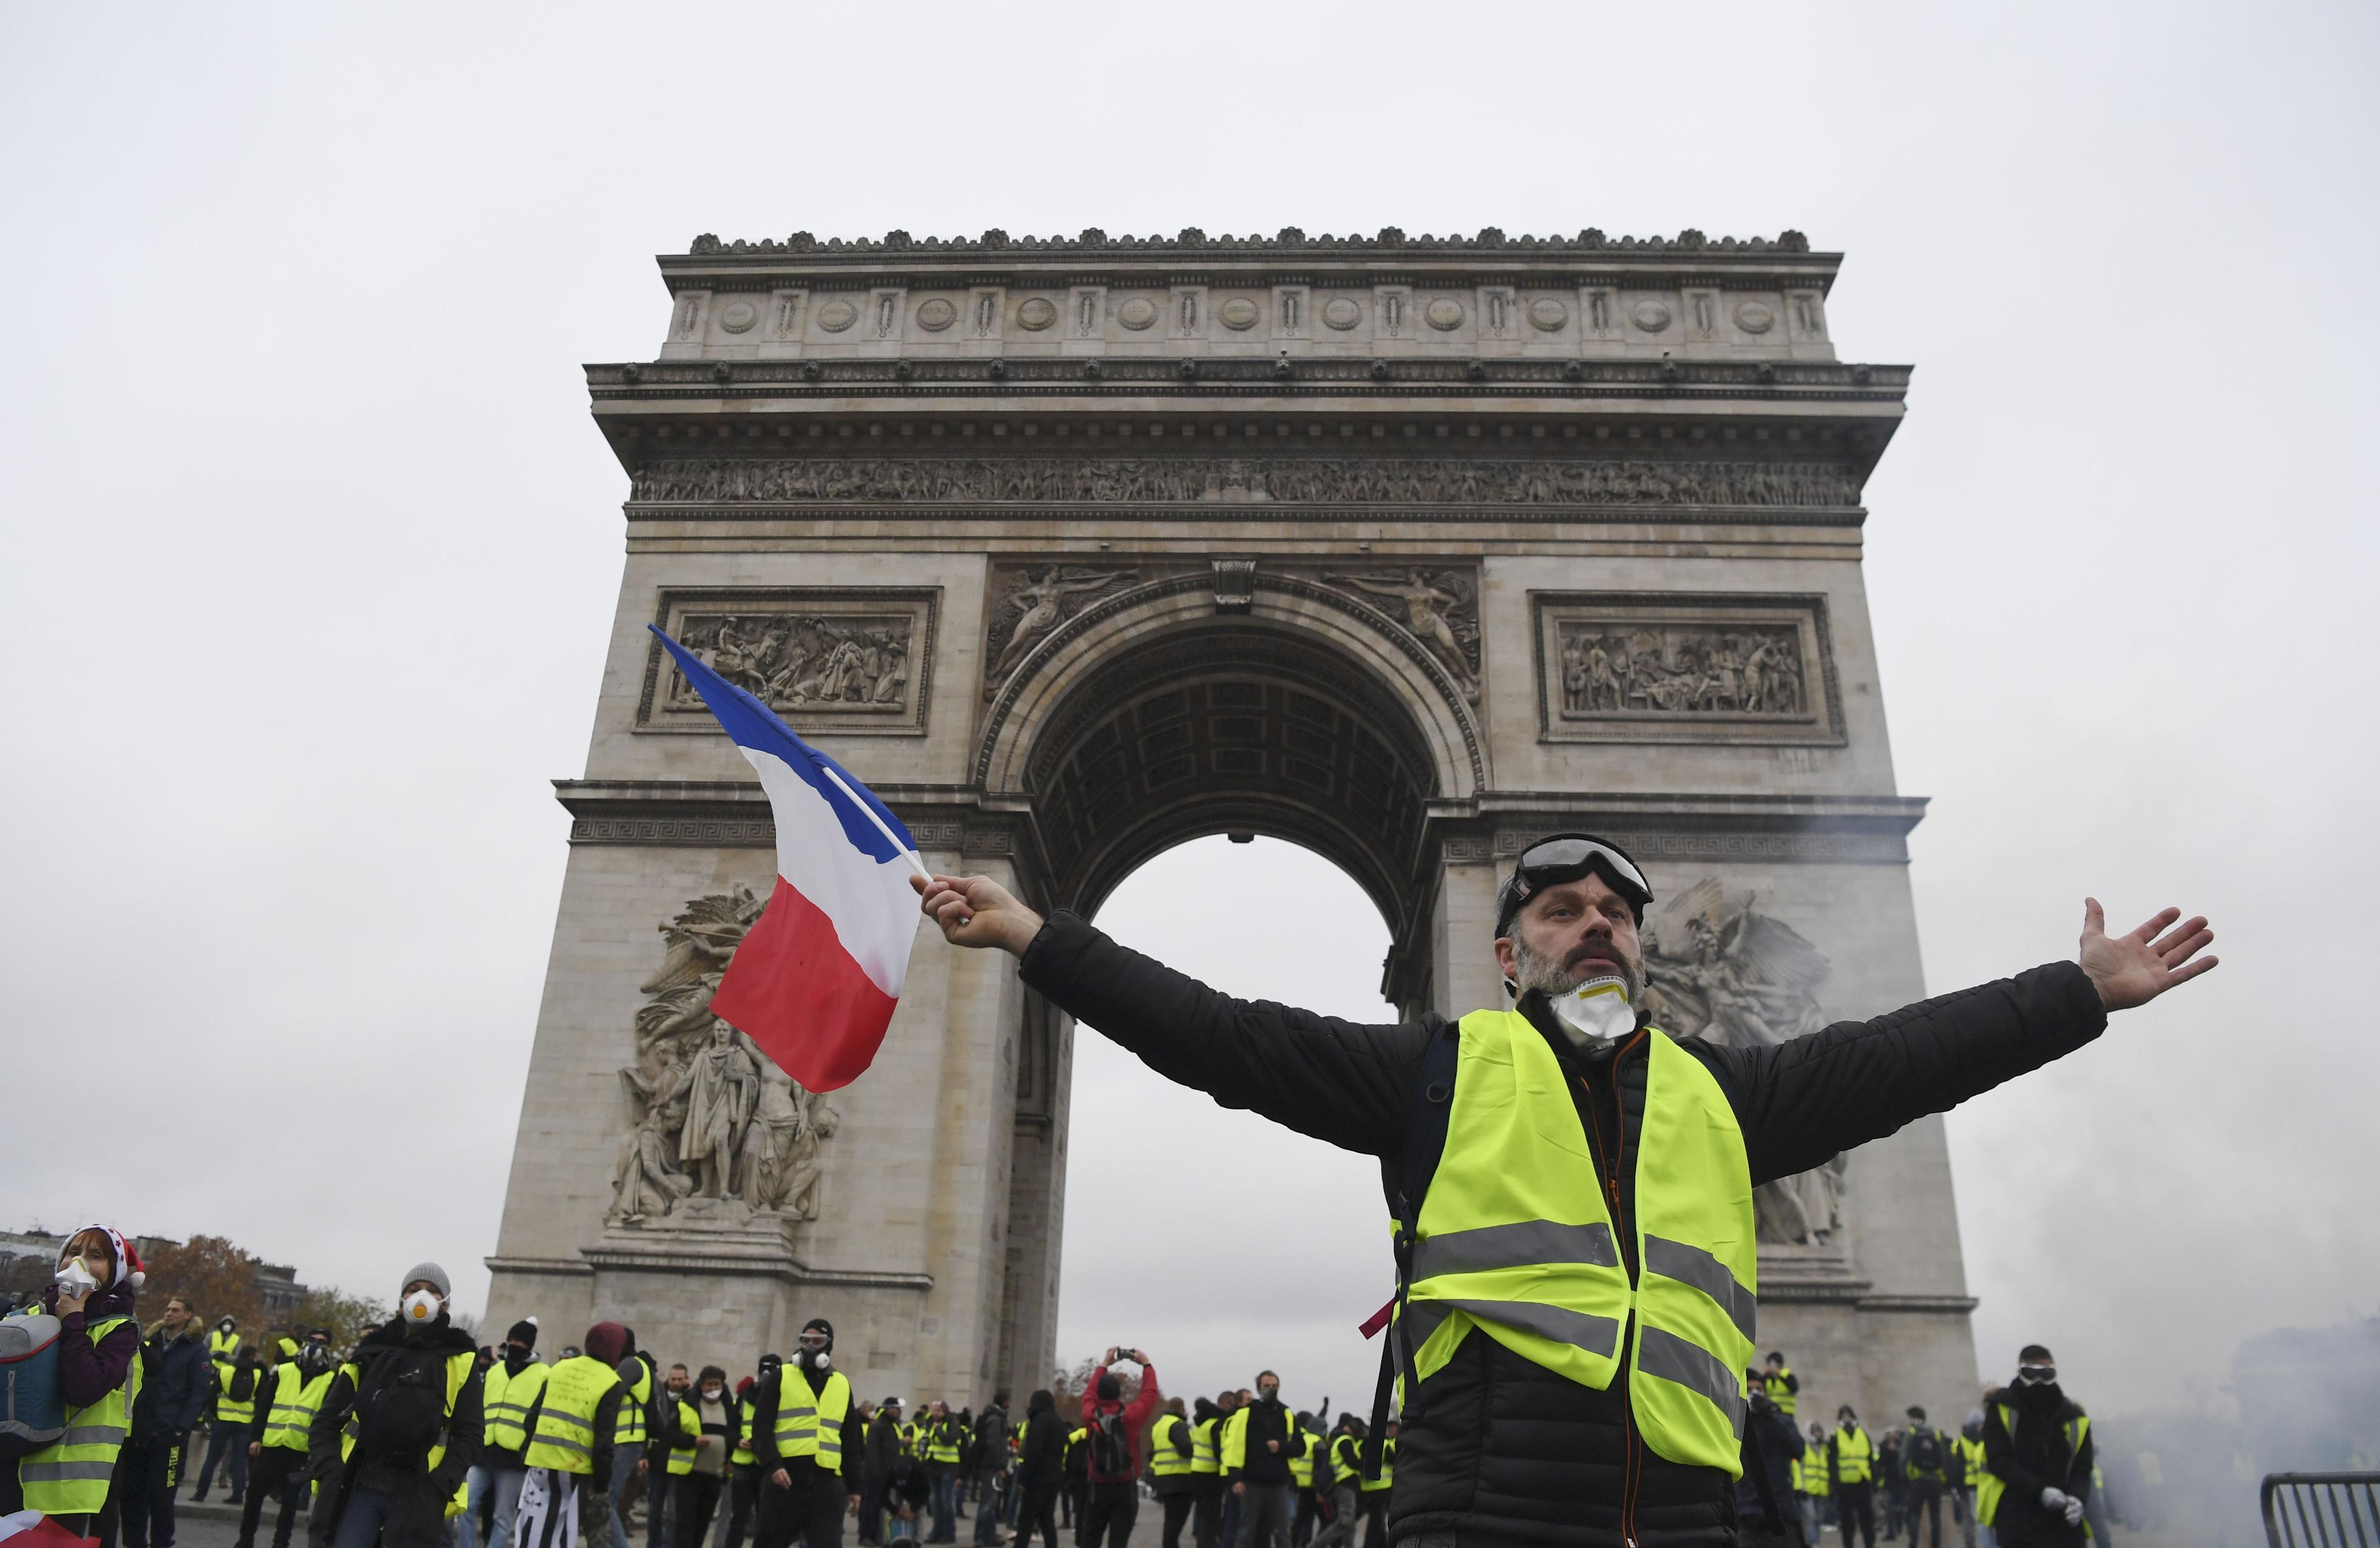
1596,1012
75,1279
421,1306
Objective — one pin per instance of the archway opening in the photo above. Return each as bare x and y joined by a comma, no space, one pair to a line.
1218,1241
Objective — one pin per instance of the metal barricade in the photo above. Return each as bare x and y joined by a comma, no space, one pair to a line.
2322,1510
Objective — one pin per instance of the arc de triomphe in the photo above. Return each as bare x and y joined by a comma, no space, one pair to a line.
1402,549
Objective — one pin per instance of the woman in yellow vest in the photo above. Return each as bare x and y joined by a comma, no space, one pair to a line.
1570,1186
91,1295
399,1426
281,1434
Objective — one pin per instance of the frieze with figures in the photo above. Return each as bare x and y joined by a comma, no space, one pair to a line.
1655,666
848,661
1316,480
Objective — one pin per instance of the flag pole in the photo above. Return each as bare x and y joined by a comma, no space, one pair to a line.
870,812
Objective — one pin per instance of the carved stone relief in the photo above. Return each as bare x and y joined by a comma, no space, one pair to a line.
717,1133
1434,604
827,661
1305,480
1716,967
1655,666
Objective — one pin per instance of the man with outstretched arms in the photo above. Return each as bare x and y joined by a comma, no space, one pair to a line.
1574,1234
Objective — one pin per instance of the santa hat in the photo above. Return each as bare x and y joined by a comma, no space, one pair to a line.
129,1267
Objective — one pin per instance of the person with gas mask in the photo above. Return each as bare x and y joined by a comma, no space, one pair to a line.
90,1298
399,1427
2037,1457
804,1427
1851,1477
280,1435
1257,1443
1499,1130
507,1390
1772,1454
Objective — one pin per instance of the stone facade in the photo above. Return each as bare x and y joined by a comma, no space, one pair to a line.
1401,549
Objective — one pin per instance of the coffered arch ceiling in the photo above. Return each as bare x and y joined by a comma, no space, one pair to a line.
1239,725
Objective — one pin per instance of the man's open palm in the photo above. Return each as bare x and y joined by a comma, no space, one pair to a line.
2135,968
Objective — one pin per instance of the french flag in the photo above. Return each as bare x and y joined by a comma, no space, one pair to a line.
815,980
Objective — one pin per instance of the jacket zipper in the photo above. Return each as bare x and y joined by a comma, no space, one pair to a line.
1631,1445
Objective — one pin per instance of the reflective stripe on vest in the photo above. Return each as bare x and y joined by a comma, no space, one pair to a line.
810,1423
681,1456
68,1477
1989,1485
942,1443
1854,1452
460,1366
238,1411
565,1417
631,1429
289,1417
505,1402
1301,1466
1514,1239
1204,1457
1165,1458
1346,1458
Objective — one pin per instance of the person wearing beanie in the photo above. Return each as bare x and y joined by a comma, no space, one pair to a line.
235,1382
90,1294
508,1388
399,1429
806,1446
636,1437
1926,1463
1112,1463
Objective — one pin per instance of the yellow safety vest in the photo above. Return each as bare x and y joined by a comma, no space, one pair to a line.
1812,1473
240,1411
224,1350
1388,1468
565,1437
681,1456
811,1423
1204,1456
505,1402
1854,1452
941,1442
741,1455
1784,1397
631,1428
1346,1458
289,1416
1973,1452
913,1439
1301,1464
68,1477
1514,1239
1989,1487
1165,1458
459,1368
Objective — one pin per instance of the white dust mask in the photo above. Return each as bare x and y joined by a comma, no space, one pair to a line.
1596,1012
421,1306
76,1277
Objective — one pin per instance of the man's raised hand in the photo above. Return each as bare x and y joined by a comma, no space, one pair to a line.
977,911
2133,969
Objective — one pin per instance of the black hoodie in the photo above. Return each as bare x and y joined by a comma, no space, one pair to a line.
1043,1458
2036,1457
420,1492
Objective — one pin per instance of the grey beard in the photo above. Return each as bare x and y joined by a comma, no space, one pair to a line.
1550,978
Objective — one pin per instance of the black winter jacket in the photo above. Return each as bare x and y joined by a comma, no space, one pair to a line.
1043,1458
2035,1457
177,1383
421,1492
1502,1448
1776,1443
802,1470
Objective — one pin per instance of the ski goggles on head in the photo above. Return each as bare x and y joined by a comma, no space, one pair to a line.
1565,857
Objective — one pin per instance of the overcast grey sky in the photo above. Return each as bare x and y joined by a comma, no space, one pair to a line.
310,553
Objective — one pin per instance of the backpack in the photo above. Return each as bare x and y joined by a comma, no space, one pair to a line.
1925,1450
32,1406
1110,1446
401,1408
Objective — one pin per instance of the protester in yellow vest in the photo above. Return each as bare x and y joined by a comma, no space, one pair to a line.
1851,1477
1810,1479
239,1393
1341,1475
1169,1452
572,1454
744,1485
1375,1491
2037,1460
804,1427
1207,1422
399,1427
508,1388
1784,1387
1570,1187
281,1434
90,1294
669,1451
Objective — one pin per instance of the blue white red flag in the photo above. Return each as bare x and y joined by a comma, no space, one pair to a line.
815,981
